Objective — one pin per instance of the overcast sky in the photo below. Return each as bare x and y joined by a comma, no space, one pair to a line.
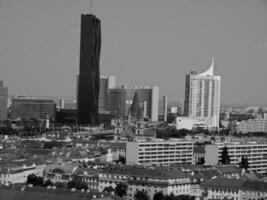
144,42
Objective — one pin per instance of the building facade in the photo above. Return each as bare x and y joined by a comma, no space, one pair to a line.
256,152
152,180
163,106
249,126
88,79
29,108
3,101
159,152
202,96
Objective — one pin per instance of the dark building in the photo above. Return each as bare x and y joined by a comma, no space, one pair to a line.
3,101
28,108
88,81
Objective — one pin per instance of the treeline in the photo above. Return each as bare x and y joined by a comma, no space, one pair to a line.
76,182
143,195
172,132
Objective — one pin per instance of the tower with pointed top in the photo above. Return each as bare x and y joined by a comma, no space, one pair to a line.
202,96
89,78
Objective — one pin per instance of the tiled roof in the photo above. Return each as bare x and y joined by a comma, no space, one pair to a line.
231,183
254,186
156,172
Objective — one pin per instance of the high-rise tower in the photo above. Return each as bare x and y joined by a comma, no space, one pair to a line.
88,79
3,101
202,96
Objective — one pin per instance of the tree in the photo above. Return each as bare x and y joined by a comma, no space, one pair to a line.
121,189
159,196
185,197
108,189
48,182
244,163
141,195
225,158
35,180
201,161
170,197
77,183
59,185
122,160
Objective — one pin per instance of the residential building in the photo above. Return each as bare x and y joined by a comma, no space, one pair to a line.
233,188
159,152
202,96
256,152
32,108
249,126
88,79
152,180
3,101
59,172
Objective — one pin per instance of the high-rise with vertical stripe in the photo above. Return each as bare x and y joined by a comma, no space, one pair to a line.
202,96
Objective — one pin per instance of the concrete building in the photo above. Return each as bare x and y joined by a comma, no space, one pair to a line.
31,108
249,126
159,152
163,106
192,122
202,96
256,152
3,101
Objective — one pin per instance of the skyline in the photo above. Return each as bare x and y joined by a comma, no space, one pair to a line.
162,35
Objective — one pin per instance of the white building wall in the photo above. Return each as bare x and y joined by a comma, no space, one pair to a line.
154,103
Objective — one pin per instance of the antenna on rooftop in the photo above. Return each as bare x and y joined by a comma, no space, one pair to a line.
91,6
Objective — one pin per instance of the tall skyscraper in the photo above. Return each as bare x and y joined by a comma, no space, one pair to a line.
202,96
3,101
88,80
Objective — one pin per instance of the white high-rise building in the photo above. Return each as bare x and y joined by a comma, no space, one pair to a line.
202,96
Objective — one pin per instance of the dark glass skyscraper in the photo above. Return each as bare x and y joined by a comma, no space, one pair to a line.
88,81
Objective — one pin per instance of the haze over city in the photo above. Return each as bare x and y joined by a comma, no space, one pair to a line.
144,42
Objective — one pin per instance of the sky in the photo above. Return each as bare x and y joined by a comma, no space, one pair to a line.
144,42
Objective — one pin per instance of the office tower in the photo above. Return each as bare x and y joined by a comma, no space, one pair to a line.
148,97
135,107
88,79
3,101
163,105
202,96
106,83
29,108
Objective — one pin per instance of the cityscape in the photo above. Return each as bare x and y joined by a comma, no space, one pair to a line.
114,141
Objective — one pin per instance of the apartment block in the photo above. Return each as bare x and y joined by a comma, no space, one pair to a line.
159,152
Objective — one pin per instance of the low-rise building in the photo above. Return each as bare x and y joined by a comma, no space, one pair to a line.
17,173
232,188
152,180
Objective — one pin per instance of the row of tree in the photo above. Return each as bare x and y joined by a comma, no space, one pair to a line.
121,191
143,195
76,182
